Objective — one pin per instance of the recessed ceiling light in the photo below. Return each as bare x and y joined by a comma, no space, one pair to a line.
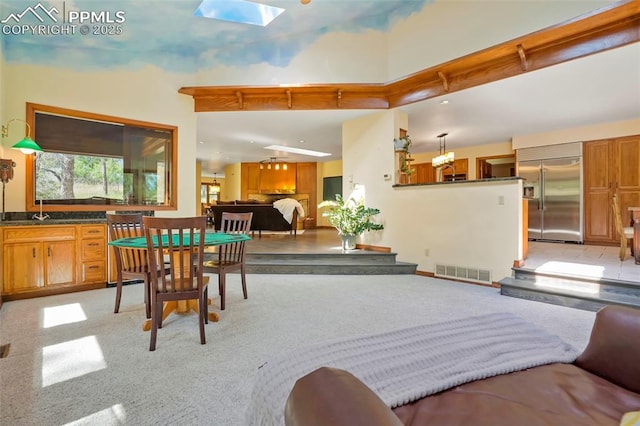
444,102
297,150
252,141
201,142
301,141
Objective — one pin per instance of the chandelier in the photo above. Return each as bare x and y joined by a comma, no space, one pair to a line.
273,163
215,186
444,157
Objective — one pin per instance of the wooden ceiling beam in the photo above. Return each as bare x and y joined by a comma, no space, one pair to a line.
614,26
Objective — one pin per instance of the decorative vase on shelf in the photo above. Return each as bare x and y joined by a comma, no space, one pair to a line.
348,242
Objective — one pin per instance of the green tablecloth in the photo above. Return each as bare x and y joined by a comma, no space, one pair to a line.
210,239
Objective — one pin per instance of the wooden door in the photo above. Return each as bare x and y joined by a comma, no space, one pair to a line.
599,174
628,175
60,263
23,266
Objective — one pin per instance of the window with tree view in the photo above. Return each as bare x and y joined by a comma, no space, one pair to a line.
93,161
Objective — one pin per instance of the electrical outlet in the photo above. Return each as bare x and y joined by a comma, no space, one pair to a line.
426,252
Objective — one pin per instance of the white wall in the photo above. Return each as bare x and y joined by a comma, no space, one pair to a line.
460,224
147,94
477,24
579,134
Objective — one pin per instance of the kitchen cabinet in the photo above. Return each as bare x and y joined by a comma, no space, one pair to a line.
425,173
93,253
306,184
35,257
611,166
47,259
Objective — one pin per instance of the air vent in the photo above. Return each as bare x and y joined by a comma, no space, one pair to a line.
463,273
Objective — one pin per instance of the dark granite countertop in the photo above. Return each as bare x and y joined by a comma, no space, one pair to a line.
35,222
456,182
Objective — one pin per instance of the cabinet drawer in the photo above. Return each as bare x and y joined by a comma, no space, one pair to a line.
93,231
94,271
93,249
39,233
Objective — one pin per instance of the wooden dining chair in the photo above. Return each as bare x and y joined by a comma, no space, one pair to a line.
625,232
130,263
171,240
231,257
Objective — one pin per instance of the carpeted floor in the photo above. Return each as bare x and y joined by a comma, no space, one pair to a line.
72,361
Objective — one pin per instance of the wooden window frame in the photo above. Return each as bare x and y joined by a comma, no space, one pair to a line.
171,196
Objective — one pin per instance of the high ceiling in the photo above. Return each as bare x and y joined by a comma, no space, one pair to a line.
596,89
601,88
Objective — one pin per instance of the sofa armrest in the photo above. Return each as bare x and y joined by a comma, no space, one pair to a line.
613,350
330,396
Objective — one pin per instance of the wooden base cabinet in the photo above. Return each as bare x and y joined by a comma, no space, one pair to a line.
43,259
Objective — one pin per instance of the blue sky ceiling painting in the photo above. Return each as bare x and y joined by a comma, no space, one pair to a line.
171,34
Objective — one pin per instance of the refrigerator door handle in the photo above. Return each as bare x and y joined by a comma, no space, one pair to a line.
542,188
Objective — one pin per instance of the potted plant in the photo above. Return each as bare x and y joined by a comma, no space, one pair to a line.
350,218
402,145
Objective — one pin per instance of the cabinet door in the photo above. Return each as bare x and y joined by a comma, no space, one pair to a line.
249,179
628,179
599,174
23,266
60,262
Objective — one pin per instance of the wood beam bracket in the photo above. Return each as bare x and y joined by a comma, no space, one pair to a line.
339,100
289,102
240,99
523,58
445,82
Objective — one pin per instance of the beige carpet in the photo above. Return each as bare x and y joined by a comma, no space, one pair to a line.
72,361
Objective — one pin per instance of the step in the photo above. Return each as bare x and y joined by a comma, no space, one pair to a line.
355,256
356,262
565,290
311,267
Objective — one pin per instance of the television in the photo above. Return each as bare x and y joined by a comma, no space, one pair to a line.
330,187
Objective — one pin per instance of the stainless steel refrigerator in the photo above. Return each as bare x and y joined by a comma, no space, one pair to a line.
554,190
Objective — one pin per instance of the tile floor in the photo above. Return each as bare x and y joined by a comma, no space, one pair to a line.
581,260
565,258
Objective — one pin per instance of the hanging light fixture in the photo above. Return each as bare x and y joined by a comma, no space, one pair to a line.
215,186
273,161
444,157
26,145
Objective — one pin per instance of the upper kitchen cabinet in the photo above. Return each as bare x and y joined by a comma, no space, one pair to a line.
610,166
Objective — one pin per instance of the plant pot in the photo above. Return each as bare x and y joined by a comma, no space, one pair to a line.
348,242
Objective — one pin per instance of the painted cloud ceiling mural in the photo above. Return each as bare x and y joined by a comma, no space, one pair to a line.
85,34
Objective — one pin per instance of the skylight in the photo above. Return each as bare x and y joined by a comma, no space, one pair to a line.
241,11
297,150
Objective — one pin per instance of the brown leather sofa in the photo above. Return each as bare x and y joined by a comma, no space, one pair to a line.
597,389
265,216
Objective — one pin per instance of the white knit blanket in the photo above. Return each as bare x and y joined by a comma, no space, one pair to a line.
286,206
405,365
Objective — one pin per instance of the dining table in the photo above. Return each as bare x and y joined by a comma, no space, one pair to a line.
634,215
210,239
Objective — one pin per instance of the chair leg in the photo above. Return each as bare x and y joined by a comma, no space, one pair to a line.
147,296
202,315
222,288
155,316
244,281
118,293
204,305
623,249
